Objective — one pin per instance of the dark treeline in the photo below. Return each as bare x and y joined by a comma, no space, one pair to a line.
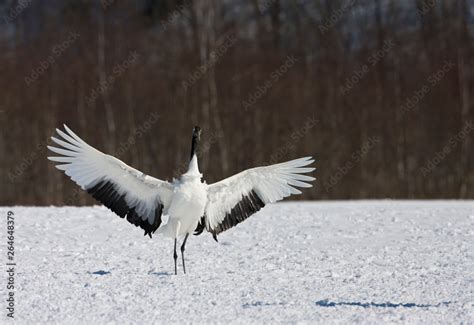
380,92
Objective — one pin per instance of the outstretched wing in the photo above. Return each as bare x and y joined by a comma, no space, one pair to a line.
234,199
123,189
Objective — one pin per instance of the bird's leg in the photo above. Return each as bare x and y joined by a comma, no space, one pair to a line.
175,256
182,251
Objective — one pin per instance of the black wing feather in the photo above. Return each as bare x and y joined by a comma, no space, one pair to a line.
105,192
248,205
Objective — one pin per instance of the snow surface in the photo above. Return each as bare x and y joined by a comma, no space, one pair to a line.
298,262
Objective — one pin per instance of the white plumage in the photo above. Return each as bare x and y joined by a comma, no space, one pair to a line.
190,203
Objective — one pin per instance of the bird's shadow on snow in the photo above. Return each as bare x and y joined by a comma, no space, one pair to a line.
100,272
328,303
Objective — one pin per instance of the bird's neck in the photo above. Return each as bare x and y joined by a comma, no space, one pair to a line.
194,145
193,169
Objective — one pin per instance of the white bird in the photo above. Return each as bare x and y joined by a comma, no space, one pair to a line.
191,204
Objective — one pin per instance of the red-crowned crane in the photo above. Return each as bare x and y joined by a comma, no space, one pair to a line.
190,203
